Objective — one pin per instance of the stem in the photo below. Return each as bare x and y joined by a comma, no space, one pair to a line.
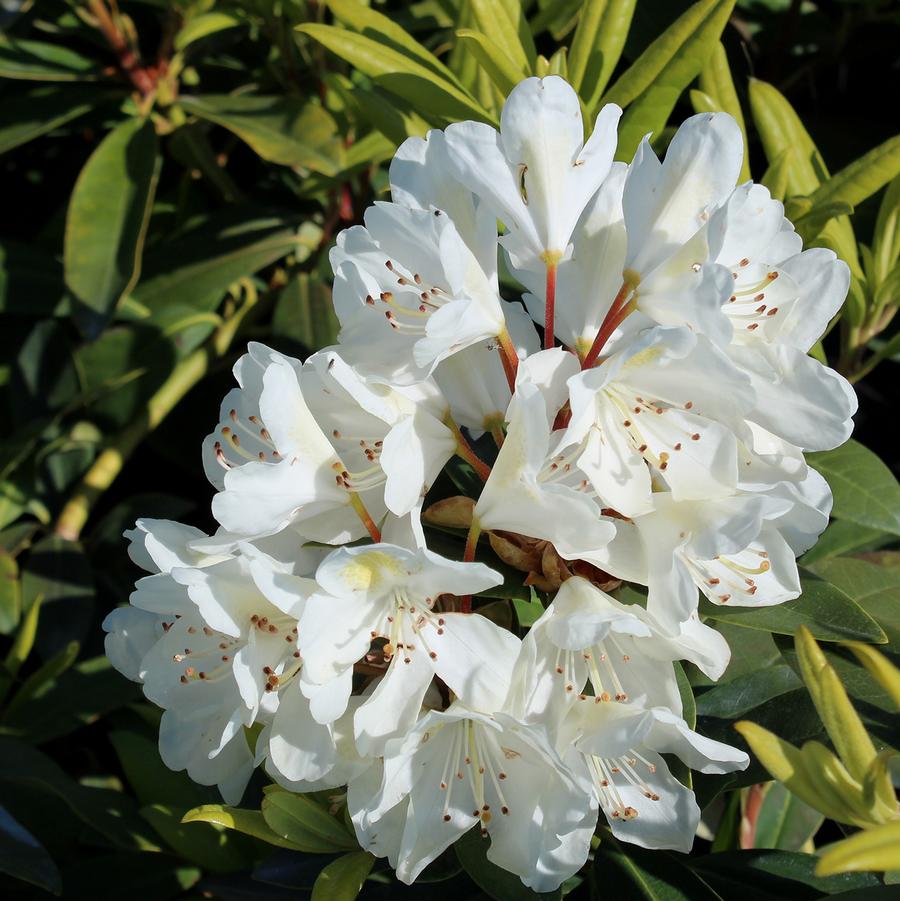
469,556
129,62
509,358
464,449
550,303
620,308
360,509
106,468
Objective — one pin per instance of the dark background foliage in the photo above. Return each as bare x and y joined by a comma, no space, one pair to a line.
119,384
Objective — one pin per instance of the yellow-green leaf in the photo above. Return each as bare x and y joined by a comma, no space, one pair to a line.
716,82
493,18
499,68
299,819
874,849
10,593
433,96
249,822
886,246
863,177
597,45
880,668
204,25
342,879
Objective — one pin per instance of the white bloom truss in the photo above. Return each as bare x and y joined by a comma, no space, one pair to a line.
657,439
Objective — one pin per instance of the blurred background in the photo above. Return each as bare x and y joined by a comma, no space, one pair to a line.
172,176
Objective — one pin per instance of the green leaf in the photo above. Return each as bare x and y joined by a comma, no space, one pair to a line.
597,45
653,84
201,263
773,874
744,693
433,96
828,613
42,677
776,177
495,63
496,883
111,813
23,857
493,18
843,536
289,131
865,491
382,29
305,313
528,612
627,871
342,879
38,109
812,223
873,849
886,245
863,177
247,822
10,594
716,82
37,61
784,821
301,821
108,214
202,26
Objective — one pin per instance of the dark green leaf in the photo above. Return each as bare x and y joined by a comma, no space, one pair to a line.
342,879
285,130
824,609
31,281
10,593
783,821
303,822
304,313
496,883
738,697
23,857
37,61
107,218
865,490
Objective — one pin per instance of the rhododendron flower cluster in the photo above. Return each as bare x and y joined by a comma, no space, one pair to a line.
616,357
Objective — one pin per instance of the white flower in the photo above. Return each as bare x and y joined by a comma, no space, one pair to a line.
387,591
661,411
460,768
531,494
338,452
618,747
536,174
409,292
588,646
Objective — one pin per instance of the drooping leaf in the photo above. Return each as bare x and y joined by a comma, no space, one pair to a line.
203,25
434,97
39,61
108,215
23,857
289,131
42,108
342,879
247,822
865,491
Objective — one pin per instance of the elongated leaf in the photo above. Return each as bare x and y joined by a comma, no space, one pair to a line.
284,130
784,821
863,177
865,491
201,26
664,70
493,18
23,857
717,83
496,883
10,594
597,46
873,849
741,695
342,879
828,613
886,246
499,67
627,871
228,246
381,28
38,109
434,97
843,536
37,61
305,313
776,177
248,822
301,821
774,874
108,214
